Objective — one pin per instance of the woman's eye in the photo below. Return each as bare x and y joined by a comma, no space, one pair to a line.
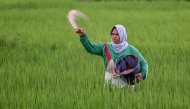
115,34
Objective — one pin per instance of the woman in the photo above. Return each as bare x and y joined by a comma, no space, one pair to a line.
117,48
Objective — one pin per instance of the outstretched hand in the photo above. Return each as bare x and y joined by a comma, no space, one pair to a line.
80,31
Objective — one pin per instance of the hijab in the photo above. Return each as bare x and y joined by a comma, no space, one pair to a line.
122,45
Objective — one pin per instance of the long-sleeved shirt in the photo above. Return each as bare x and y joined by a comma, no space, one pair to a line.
98,49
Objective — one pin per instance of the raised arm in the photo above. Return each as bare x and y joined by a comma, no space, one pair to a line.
96,49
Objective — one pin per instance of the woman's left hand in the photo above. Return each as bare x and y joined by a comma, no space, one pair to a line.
138,78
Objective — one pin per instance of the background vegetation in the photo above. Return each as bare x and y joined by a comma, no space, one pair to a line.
43,64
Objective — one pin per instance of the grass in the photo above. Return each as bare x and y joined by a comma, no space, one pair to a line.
43,64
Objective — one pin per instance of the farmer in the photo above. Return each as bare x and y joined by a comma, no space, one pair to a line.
117,48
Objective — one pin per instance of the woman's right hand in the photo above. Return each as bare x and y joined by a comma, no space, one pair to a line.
80,31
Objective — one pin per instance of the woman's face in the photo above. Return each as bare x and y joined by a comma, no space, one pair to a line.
115,36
